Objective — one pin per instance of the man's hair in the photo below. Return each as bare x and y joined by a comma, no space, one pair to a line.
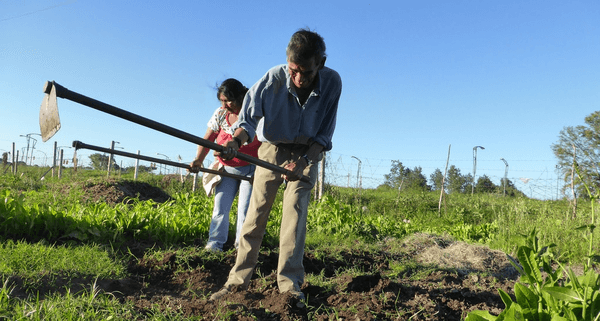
232,89
305,45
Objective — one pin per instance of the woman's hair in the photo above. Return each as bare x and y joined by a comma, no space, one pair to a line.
232,89
305,45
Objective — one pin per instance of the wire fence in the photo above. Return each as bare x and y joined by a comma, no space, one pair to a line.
535,180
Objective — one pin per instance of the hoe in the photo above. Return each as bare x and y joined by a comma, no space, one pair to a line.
50,124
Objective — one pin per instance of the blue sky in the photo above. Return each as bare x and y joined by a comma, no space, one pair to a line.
418,76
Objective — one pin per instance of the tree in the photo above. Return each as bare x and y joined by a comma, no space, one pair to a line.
511,189
416,179
405,178
100,162
580,144
485,185
436,178
141,169
457,183
145,169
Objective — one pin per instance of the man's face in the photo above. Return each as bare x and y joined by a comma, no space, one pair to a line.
303,75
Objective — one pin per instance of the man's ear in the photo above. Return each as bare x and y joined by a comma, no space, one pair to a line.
322,63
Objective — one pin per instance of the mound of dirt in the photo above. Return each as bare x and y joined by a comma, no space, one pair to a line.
119,191
464,258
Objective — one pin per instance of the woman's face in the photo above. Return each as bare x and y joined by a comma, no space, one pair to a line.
231,105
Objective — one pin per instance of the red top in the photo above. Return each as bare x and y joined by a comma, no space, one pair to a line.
248,149
219,123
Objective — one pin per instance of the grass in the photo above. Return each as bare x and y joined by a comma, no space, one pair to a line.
31,260
54,234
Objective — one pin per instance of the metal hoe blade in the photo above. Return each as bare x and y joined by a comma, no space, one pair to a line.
49,119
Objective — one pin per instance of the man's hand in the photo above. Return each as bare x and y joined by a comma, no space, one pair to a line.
229,150
296,168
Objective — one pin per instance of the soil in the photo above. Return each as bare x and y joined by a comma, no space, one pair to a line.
122,191
423,277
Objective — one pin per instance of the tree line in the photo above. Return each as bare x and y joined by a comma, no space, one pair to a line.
577,151
100,162
404,178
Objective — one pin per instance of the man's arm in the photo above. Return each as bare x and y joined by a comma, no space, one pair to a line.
297,167
240,137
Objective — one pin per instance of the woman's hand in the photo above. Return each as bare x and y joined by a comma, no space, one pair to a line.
229,150
195,166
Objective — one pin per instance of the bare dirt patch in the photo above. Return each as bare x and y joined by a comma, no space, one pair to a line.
119,191
374,293
353,285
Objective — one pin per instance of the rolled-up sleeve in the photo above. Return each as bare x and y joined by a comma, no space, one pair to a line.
252,110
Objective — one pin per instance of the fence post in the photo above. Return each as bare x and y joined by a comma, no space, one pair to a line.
194,182
14,164
444,182
54,157
110,156
60,164
137,164
321,177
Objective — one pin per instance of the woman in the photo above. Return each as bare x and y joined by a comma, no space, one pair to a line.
231,94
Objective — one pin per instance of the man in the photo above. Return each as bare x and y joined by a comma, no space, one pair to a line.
293,111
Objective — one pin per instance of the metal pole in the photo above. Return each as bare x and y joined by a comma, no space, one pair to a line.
505,175
25,155
474,167
32,148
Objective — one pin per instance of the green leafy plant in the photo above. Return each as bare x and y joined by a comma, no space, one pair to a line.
552,297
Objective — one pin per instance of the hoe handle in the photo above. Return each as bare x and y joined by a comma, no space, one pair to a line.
65,93
79,145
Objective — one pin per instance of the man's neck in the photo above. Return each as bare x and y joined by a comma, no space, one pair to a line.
303,94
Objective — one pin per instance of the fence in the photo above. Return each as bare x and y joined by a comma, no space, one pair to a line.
535,180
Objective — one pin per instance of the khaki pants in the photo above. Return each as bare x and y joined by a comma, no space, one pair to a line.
290,270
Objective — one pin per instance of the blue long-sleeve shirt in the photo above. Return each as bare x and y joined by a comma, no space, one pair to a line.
272,111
